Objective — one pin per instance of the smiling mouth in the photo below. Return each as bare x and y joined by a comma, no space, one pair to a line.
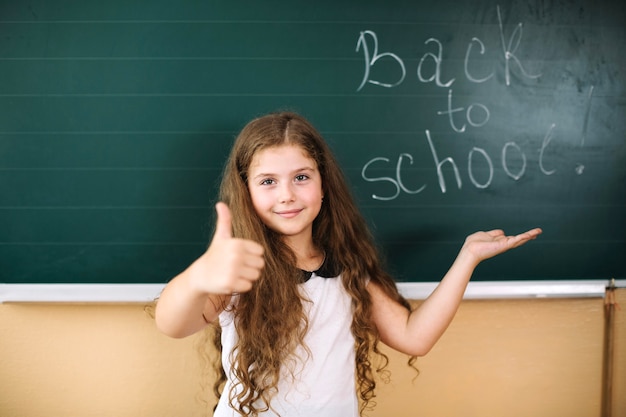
288,213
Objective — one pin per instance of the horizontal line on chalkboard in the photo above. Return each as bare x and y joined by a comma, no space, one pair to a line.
382,241
521,204
124,132
107,95
161,169
194,58
213,21
245,95
201,169
102,243
209,132
368,206
228,58
287,22
104,207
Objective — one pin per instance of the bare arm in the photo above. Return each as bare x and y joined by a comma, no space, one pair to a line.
184,309
197,295
416,332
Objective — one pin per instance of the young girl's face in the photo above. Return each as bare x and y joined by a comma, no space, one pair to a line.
286,190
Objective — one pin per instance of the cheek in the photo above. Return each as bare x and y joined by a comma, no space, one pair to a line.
259,202
316,200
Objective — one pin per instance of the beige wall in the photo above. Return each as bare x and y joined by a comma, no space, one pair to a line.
499,358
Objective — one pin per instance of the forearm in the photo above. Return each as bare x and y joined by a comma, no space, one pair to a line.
428,323
416,332
182,308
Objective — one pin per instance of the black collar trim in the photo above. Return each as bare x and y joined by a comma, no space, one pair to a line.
328,269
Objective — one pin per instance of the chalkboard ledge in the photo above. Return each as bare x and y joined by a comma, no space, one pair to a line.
145,293
79,293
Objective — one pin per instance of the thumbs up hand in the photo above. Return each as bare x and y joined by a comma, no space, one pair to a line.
230,265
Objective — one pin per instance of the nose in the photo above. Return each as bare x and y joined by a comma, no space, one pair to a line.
286,193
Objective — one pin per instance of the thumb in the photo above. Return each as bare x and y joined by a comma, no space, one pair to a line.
223,226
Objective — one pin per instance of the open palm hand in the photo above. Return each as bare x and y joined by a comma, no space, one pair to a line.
485,245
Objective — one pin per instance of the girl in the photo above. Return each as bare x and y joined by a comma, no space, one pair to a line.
294,280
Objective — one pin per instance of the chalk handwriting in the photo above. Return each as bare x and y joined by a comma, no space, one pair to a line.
438,60
509,53
505,166
467,60
384,179
397,182
470,171
447,164
580,167
546,141
510,48
368,44
370,60
402,187
480,168
440,163
468,114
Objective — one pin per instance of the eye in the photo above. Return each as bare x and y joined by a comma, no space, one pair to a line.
301,177
267,181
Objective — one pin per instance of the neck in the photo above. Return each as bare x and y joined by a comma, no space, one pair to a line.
308,256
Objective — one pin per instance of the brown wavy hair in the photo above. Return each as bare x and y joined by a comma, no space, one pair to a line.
270,317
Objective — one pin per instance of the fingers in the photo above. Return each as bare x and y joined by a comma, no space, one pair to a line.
523,238
242,262
223,227
534,232
495,233
230,264
484,245
250,261
531,234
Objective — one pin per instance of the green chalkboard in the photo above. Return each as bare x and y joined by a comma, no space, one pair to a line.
448,117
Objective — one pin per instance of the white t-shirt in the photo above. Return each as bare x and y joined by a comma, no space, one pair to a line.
325,380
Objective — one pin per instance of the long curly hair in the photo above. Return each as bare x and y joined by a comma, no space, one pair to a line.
270,317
